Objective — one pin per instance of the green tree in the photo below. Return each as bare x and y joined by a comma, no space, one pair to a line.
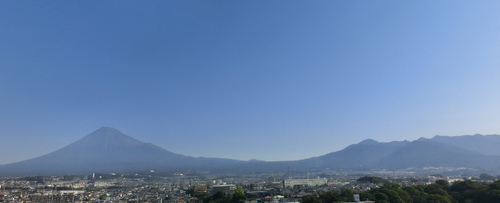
468,190
412,191
371,179
485,176
391,186
190,191
311,199
202,195
347,195
433,198
366,195
219,195
435,189
330,196
239,195
381,197
393,196
495,185
417,194
443,184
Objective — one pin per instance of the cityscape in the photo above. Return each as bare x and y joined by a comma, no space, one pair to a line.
193,186
249,101
199,186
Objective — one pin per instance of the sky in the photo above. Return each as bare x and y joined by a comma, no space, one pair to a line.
267,80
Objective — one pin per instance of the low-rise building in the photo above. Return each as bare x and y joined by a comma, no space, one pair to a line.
227,187
304,182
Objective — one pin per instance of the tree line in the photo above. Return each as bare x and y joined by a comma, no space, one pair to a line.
440,192
237,196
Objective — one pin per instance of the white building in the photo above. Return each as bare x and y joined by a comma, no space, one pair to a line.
304,182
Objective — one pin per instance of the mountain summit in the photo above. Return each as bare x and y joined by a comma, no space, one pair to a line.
106,137
109,134
108,150
104,150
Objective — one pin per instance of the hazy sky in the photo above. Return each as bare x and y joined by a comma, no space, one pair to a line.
270,80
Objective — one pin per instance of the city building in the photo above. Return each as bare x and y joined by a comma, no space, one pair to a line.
216,188
304,182
200,188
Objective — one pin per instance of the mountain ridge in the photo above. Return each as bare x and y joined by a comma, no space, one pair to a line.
109,150
486,144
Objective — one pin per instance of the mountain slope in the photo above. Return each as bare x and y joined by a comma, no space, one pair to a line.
360,155
486,144
425,153
108,150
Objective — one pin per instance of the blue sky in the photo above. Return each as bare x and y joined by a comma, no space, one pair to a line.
268,80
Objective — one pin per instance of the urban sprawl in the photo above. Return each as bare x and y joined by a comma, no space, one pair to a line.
196,186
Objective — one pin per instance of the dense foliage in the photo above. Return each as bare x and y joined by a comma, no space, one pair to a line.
222,197
371,179
440,192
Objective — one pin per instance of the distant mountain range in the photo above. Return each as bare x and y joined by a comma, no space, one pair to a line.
107,150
